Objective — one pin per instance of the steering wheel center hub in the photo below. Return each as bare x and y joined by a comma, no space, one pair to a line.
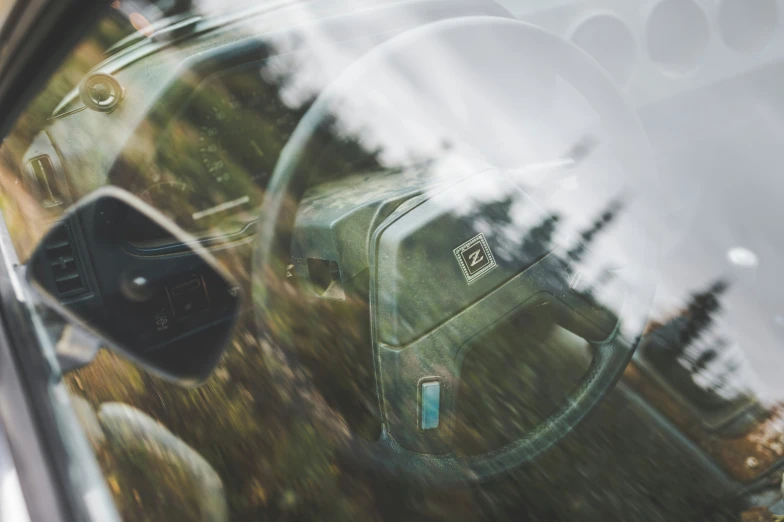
450,247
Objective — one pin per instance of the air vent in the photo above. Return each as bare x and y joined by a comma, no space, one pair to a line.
47,187
64,263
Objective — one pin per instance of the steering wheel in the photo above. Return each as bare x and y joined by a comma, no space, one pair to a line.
490,110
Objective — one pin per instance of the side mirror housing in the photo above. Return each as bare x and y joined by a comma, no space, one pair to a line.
171,310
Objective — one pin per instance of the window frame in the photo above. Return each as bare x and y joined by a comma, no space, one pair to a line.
35,38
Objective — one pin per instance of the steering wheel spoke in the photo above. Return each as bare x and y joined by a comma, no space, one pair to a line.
419,383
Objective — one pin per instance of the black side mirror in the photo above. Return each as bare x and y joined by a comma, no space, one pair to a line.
162,302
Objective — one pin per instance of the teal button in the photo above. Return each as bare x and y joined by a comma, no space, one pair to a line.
431,404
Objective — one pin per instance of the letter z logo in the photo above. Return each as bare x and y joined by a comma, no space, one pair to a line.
475,258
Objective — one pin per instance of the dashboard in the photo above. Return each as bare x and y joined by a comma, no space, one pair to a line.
227,136
658,49
213,109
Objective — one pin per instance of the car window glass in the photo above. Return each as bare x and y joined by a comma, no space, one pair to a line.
497,261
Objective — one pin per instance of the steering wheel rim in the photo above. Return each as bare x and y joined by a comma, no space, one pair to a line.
611,355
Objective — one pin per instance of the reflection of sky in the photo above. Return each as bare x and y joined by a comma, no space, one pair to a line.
463,111
715,190
687,206
468,118
717,163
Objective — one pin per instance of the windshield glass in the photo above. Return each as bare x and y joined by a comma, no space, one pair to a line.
415,260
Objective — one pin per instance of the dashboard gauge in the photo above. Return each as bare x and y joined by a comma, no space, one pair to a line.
242,129
195,212
214,161
221,135
224,158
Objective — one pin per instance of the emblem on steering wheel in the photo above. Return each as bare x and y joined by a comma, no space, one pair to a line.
475,258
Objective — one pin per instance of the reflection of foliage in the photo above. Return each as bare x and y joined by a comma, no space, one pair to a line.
129,476
277,463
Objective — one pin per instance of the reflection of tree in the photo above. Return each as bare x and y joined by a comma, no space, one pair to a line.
708,355
725,378
682,331
675,349
701,311
588,236
540,237
494,214
578,252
